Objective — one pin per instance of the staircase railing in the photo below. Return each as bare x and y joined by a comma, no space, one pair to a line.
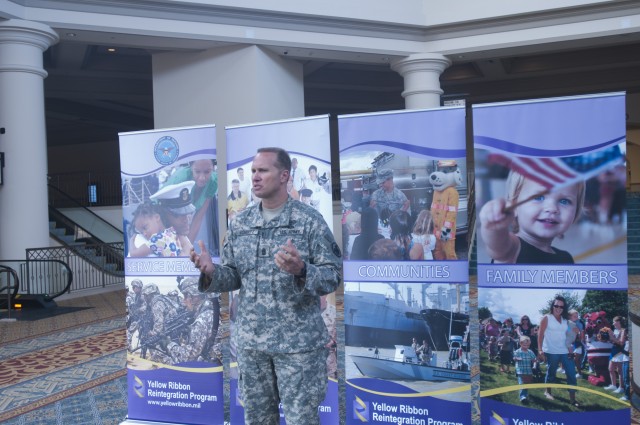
58,197
88,272
89,188
87,245
84,242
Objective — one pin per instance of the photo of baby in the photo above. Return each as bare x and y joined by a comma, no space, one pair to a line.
527,217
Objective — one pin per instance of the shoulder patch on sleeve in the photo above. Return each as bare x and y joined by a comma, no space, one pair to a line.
336,250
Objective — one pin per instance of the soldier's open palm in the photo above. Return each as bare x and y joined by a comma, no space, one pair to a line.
203,260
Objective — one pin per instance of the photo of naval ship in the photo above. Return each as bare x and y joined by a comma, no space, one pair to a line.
378,320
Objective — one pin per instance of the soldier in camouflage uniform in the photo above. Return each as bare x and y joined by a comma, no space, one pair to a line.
175,296
388,196
129,299
282,257
213,300
135,309
197,345
161,310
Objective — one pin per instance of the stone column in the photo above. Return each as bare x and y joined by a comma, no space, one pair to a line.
226,86
421,73
24,213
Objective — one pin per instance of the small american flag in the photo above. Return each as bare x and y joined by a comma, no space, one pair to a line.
555,172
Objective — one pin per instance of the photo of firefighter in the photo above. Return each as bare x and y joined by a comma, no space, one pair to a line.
419,204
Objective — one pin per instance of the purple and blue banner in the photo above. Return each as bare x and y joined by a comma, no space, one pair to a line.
170,201
308,142
552,260
404,196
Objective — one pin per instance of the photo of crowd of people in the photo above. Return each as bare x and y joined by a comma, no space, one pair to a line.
570,340
309,182
396,207
167,212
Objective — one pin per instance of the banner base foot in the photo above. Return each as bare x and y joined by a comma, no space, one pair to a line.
128,421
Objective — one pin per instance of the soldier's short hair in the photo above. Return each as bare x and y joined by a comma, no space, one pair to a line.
150,288
283,160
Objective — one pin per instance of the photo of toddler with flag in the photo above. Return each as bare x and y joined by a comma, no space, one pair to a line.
544,198
524,234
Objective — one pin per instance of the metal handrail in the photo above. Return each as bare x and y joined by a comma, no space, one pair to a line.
27,275
12,273
77,185
79,205
111,250
113,253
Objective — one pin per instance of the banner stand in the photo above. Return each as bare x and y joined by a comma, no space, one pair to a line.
136,422
406,280
170,201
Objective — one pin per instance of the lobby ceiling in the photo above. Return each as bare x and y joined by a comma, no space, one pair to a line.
96,89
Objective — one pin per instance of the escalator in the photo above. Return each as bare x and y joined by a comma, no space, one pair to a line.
33,283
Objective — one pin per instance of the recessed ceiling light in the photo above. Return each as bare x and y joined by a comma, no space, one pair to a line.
111,49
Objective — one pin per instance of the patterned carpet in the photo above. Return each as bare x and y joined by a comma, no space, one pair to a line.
68,368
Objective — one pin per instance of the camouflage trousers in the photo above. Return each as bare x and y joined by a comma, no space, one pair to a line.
297,380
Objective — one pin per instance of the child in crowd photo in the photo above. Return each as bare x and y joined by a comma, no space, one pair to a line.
525,360
423,233
521,228
506,344
492,348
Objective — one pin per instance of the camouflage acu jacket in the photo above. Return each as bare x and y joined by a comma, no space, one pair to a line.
278,312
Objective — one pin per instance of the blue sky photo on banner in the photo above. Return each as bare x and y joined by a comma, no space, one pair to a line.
170,199
406,301
552,260
308,143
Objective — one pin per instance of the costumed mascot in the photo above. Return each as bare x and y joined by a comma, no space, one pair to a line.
594,322
598,348
444,208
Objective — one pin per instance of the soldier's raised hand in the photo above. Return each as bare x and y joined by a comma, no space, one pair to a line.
202,261
288,259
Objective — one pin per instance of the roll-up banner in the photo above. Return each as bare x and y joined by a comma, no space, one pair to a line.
552,260
308,142
406,301
170,199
